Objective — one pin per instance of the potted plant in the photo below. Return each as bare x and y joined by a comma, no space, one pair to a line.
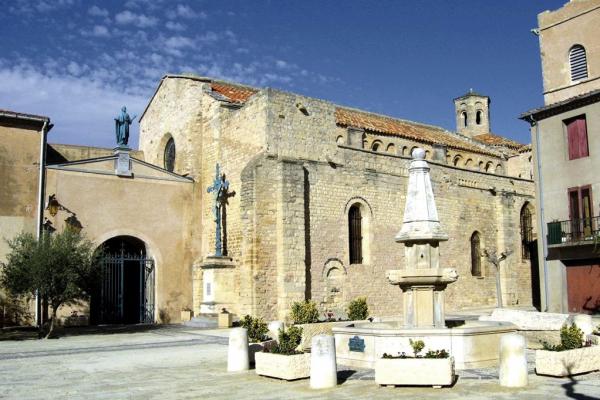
435,368
283,360
572,356
258,340
186,315
306,315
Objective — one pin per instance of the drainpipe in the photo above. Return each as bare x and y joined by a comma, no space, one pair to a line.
40,209
538,144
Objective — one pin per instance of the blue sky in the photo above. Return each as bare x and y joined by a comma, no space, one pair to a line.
79,61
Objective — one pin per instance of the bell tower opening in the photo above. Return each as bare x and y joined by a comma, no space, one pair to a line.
472,114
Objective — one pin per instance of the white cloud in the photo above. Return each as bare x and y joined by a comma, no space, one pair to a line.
183,11
97,11
100,31
81,109
175,26
139,20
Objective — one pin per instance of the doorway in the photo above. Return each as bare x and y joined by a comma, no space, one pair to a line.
125,293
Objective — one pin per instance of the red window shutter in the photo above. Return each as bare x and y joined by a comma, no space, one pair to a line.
582,137
573,136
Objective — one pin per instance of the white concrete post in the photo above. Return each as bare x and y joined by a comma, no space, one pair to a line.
584,322
237,353
323,368
274,327
513,363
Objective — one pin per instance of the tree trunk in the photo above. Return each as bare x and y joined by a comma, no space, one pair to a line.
51,329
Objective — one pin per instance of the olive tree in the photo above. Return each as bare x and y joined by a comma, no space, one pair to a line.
61,268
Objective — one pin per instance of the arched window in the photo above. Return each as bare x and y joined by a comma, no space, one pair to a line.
488,167
404,150
478,117
456,160
463,115
475,254
468,163
375,146
355,234
170,155
578,62
526,232
499,170
391,148
340,140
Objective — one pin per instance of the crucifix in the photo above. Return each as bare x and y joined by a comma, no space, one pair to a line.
221,194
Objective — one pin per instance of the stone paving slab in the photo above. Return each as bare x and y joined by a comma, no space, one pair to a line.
191,364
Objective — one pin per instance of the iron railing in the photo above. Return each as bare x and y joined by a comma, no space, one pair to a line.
574,230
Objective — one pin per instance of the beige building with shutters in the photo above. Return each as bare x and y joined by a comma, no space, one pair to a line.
566,143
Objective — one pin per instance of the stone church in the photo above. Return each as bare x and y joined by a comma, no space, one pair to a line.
316,196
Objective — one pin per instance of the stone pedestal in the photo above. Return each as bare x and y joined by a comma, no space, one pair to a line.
323,367
237,351
513,363
217,284
123,161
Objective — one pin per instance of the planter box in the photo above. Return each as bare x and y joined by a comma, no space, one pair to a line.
568,362
224,320
320,328
415,371
186,316
279,366
254,348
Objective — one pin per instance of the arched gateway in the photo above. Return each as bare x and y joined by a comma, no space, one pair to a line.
125,293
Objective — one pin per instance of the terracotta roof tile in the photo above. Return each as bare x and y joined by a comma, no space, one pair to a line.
237,94
496,140
410,130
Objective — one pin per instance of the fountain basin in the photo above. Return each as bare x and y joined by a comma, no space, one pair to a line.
474,344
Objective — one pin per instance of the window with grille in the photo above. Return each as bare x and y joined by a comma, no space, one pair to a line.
475,254
526,232
170,155
578,62
355,234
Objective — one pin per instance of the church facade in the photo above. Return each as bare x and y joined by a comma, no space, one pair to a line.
316,196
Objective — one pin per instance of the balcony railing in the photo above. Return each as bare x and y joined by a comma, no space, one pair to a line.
574,231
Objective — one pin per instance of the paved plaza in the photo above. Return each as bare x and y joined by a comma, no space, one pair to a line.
176,362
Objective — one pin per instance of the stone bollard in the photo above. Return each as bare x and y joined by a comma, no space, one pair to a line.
274,327
237,353
513,363
584,322
323,368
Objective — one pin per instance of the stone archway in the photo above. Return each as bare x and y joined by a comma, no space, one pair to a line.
125,290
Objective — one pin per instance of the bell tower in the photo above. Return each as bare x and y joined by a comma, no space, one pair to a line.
472,114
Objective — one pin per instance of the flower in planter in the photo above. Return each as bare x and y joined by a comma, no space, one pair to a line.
417,346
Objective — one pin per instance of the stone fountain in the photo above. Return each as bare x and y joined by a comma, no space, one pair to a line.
472,343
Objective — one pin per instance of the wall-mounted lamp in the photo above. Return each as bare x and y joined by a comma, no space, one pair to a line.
53,205
74,224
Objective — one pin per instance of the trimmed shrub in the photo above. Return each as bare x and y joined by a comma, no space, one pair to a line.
358,309
289,340
257,328
417,346
571,337
305,312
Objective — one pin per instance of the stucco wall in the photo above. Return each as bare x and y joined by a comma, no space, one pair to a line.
575,23
19,174
153,210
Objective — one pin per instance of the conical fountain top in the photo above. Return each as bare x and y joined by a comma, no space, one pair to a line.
421,222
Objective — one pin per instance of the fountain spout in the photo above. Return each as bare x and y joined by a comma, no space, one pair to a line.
422,281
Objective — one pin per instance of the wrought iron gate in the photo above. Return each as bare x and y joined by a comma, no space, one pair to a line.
113,288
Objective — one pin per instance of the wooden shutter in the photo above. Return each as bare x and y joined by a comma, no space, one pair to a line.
582,137
577,137
573,136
